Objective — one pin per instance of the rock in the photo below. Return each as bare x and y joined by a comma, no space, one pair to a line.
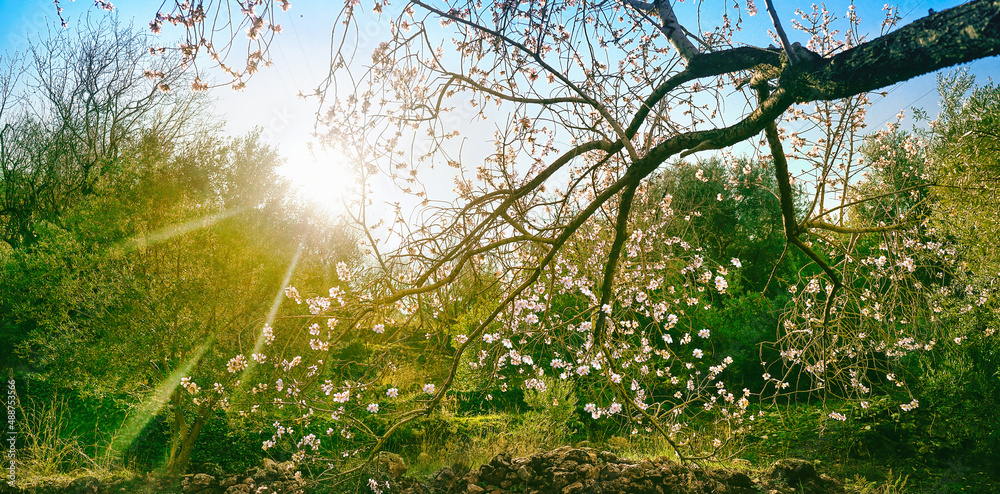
85,485
610,471
573,488
239,489
229,482
199,483
633,471
501,460
794,471
737,479
211,469
607,457
565,470
570,470
443,478
471,477
390,464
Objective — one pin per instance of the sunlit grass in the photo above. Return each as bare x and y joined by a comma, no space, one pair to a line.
46,452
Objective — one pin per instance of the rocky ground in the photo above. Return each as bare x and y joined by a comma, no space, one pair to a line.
565,470
582,470
270,478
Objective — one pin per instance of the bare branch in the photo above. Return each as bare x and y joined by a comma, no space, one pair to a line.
792,57
960,34
669,26
848,230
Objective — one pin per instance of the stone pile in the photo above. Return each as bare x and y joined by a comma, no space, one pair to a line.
570,470
564,470
270,477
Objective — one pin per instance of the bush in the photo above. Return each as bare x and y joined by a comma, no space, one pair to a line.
553,416
230,444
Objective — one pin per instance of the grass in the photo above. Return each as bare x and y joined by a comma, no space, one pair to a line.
472,441
49,453
893,484
863,461
53,455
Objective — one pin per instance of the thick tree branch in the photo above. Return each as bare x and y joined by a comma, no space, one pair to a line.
705,65
769,110
957,35
968,32
788,209
611,266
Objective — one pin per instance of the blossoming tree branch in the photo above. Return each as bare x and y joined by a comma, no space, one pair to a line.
560,255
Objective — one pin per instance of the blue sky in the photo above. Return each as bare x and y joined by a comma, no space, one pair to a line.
301,56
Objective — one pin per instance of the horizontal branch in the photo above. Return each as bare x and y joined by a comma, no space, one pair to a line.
957,35
514,98
849,230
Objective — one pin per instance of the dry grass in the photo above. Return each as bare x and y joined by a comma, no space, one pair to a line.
51,453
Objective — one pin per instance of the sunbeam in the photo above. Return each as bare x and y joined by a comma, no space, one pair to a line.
159,398
139,242
275,304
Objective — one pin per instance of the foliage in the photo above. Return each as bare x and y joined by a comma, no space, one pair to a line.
553,414
71,109
585,248
964,377
587,277
147,245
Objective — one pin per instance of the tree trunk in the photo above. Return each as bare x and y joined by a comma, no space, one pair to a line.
184,437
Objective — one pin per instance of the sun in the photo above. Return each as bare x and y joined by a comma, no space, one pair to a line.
321,178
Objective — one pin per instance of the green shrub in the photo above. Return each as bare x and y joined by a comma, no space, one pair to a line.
553,416
231,444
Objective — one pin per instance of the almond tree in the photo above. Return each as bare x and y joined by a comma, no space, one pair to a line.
555,233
